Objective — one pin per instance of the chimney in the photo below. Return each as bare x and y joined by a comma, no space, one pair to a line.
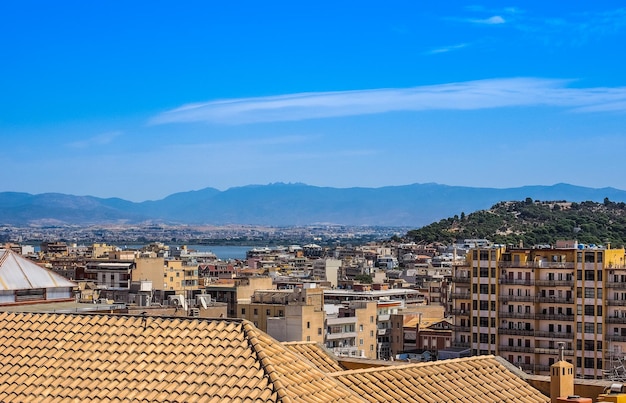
561,378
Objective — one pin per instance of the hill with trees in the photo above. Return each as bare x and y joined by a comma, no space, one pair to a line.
533,222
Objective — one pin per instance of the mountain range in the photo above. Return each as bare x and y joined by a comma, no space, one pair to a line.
281,204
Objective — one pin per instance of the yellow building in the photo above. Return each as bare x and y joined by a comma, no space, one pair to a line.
520,302
180,278
287,315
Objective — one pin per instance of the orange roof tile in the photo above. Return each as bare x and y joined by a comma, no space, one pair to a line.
458,380
64,357
316,354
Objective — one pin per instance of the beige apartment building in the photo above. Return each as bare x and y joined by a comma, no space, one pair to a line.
237,290
352,328
522,303
287,315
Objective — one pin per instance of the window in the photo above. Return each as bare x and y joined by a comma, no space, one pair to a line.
308,325
308,338
360,328
267,312
371,347
256,311
319,331
243,311
360,342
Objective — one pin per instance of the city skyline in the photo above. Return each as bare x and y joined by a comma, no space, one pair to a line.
143,100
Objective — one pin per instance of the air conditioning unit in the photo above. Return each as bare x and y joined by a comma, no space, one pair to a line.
505,303
177,301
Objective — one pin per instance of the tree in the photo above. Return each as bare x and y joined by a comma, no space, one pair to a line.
364,278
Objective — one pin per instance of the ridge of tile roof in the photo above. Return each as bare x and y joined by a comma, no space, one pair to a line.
481,379
317,354
67,357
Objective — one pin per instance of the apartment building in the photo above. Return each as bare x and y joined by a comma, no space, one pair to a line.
352,329
287,315
232,291
521,303
388,302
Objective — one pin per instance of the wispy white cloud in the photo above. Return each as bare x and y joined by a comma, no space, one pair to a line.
494,20
98,140
446,49
580,28
471,95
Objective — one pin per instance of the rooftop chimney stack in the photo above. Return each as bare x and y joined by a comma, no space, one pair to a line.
561,377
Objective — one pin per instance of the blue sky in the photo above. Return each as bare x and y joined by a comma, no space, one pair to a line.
140,100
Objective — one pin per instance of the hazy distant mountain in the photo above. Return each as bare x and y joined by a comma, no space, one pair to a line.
287,204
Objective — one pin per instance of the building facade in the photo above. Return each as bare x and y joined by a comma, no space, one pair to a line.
521,303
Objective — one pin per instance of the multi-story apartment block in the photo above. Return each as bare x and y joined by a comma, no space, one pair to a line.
351,329
520,303
388,302
288,315
238,289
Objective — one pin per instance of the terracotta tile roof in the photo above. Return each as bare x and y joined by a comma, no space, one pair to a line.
316,354
60,357
475,379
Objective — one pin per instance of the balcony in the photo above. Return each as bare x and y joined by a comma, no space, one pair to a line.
616,302
519,298
461,279
517,315
553,351
341,335
346,351
535,350
516,332
555,300
461,344
512,281
535,368
616,284
517,349
614,319
461,295
554,316
536,316
537,265
346,320
462,329
461,312
616,338
554,335
555,283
